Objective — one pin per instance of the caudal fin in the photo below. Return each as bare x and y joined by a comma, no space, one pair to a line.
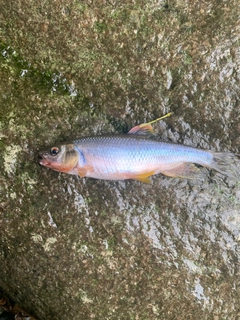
224,162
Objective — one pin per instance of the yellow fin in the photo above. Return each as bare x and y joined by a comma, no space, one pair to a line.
146,128
142,177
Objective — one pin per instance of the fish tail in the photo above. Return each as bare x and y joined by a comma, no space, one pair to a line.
223,162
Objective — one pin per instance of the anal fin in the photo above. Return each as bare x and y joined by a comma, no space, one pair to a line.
184,170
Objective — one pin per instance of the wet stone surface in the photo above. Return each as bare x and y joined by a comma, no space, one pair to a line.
75,248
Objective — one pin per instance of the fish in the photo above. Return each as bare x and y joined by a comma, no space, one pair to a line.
137,155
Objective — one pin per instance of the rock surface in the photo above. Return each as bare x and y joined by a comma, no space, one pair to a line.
88,249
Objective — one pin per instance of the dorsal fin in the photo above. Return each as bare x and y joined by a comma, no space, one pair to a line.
146,128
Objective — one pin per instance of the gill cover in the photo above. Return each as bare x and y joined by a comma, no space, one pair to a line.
63,159
69,158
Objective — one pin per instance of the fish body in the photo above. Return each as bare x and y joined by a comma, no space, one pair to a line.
131,156
128,156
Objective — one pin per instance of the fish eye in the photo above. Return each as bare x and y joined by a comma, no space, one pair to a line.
54,151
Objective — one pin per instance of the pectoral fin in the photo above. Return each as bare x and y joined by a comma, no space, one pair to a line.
82,172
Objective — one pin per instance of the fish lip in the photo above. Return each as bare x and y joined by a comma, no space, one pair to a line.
42,160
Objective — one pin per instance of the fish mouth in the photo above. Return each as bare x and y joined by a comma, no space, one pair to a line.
42,160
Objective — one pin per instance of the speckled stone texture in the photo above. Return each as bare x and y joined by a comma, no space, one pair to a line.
89,249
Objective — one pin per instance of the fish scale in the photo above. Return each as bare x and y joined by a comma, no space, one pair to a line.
134,156
126,155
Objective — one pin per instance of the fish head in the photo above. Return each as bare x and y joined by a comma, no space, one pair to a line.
63,158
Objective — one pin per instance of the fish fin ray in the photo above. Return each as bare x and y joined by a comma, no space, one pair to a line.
185,170
142,177
144,180
143,128
82,172
146,128
225,163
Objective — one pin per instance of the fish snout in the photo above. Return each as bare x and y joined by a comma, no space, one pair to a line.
42,158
